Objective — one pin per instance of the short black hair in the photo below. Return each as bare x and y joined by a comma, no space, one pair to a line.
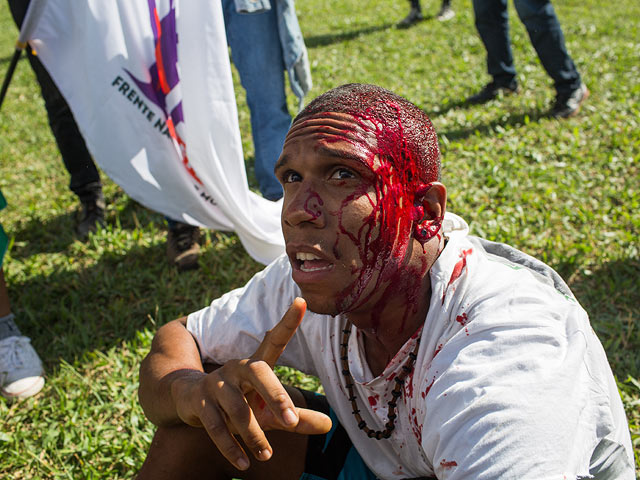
405,130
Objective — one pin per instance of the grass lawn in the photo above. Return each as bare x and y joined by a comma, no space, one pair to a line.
563,191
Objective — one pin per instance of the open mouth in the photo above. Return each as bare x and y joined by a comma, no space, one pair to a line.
308,262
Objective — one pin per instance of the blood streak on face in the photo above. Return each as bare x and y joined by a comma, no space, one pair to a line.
375,215
312,204
385,235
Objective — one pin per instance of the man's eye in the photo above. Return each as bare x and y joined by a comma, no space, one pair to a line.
342,174
290,177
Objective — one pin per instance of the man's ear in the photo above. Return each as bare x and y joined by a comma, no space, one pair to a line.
433,200
430,202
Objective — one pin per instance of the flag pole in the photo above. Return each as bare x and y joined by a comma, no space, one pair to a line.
12,66
31,19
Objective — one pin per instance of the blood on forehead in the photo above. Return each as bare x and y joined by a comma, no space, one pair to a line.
402,127
397,142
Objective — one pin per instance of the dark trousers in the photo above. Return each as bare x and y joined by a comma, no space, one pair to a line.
73,149
539,18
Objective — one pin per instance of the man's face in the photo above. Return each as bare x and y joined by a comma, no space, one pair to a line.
344,215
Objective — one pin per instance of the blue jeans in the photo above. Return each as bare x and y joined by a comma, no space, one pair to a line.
546,36
257,54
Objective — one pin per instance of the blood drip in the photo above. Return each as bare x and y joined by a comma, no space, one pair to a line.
386,233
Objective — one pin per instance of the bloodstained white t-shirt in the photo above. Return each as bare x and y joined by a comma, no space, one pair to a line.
510,379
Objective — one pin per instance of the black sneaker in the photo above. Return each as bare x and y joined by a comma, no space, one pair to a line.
92,214
492,90
414,16
568,104
183,249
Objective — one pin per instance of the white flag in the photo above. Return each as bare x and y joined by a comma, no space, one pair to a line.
149,83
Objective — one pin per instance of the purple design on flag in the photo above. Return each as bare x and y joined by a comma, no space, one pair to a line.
164,72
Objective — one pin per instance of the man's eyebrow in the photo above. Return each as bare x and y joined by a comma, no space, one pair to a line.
328,151
340,153
282,162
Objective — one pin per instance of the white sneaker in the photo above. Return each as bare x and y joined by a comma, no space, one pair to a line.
21,373
445,13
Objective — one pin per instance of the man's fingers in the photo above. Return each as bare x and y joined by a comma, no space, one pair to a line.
216,426
276,339
312,422
268,394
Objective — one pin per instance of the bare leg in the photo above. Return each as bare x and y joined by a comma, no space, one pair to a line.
5,306
187,452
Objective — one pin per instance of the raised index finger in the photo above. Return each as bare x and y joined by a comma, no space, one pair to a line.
276,339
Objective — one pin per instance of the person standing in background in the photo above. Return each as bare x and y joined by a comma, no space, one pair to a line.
265,41
85,179
539,18
415,14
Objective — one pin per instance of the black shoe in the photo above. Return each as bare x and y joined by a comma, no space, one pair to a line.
92,214
491,90
414,16
183,249
568,104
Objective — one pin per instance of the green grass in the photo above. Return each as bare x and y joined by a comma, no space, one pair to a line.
564,191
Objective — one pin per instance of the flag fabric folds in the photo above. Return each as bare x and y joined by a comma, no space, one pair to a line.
149,83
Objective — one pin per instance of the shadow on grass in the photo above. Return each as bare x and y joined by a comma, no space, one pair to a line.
72,311
6,60
425,18
56,233
130,215
610,294
446,107
314,41
487,128
36,236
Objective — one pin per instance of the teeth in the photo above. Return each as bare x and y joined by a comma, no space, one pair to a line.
306,256
304,268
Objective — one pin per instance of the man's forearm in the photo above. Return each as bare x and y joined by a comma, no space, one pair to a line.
173,357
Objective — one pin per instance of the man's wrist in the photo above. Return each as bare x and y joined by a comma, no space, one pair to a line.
182,385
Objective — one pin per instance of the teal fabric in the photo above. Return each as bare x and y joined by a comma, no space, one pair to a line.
354,467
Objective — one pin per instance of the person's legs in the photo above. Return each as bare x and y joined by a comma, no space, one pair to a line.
547,38
183,249
20,367
85,179
187,452
492,23
75,155
446,12
257,54
414,15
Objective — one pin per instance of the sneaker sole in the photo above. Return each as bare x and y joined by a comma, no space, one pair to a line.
30,391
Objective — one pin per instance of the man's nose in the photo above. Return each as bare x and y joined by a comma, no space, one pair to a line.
306,206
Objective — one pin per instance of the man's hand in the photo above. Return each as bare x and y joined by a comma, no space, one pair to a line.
245,397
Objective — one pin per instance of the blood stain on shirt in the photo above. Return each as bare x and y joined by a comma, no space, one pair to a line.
409,384
450,464
416,427
373,400
462,319
426,392
457,270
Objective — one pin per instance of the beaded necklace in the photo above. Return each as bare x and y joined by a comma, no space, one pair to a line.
395,393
